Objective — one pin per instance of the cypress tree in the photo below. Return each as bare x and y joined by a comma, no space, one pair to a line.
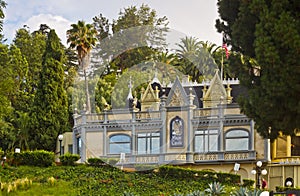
50,116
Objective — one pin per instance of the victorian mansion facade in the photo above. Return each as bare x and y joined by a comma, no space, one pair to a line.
196,125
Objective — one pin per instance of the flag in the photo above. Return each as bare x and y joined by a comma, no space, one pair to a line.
226,50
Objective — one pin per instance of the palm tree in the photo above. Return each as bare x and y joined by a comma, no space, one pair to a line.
83,37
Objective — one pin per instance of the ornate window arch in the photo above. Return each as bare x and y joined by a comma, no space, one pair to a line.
237,139
119,143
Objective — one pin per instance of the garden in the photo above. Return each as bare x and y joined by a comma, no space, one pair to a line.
31,173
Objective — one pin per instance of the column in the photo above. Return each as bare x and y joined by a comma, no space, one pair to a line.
163,130
288,146
274,150
190,132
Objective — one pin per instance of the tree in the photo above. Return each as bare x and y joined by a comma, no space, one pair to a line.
51,104
136,37
83,37
2,15
19,98
270,61
32,47
135,34
197,60
6,88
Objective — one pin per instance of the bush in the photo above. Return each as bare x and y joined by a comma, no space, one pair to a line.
249,183
282,189
96,162
69,159
209,176
39,158
228,179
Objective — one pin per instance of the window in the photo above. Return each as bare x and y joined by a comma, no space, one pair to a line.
237,140
62,150
296,146
148,143
78,145
70,148
119,144
206,140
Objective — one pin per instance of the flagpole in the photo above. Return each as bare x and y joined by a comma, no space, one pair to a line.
222,61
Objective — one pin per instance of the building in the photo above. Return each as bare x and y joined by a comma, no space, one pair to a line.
196,125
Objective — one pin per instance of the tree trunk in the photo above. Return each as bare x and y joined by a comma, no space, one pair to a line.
87,95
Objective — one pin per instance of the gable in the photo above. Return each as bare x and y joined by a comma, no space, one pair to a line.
216,90
149,95
177,95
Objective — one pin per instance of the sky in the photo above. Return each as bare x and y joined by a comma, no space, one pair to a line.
191,17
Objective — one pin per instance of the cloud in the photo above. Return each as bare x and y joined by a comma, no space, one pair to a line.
193,17
60,24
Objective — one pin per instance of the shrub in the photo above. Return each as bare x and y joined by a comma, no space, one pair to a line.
112,161
248,183
282,189
215,188
226,178
39,158
69,159
96,162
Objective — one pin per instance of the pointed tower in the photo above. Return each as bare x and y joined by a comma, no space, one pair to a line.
216,93
150,98
129,99
177,96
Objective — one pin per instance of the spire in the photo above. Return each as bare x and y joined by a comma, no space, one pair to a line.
130,89
155,79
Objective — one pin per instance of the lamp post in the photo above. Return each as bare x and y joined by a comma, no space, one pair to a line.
258,171
60,138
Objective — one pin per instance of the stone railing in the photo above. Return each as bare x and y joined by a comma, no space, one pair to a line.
116,116
182,157
224,156
206,112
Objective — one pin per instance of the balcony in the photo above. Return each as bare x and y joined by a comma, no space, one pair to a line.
181,158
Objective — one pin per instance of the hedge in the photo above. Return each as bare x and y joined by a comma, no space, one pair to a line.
39,158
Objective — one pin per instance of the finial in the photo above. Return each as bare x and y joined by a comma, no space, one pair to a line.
130,89
130,83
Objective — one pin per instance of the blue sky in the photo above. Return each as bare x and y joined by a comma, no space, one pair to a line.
190,17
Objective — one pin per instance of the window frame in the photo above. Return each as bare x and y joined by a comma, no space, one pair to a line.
149,141
227,138
120,143
206,136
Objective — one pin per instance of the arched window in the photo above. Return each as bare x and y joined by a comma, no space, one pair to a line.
237,139
119,144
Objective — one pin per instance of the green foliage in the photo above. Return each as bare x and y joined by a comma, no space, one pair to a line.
50,112
215,188
137,35
128,194
209,176
39,158
69,159
282,189
244,191
266,33
96,162
82,36
14,186
248,183
196,193
86,180
197,60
